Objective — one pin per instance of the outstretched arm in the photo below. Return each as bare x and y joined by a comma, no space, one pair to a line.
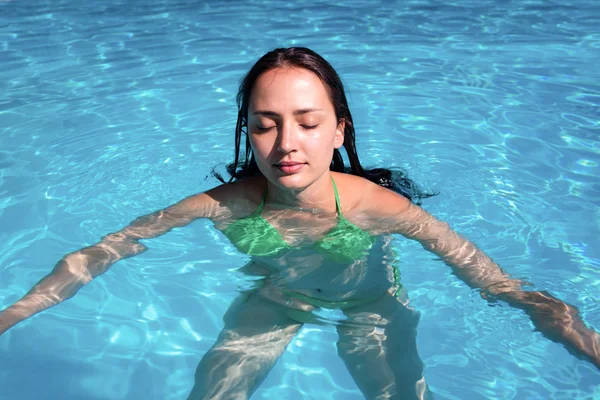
558,321
78,268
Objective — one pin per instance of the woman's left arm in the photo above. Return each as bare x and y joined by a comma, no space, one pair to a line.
558,321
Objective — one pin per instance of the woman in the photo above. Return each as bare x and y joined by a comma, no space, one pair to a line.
319,237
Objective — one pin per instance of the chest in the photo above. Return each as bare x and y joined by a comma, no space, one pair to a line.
274,234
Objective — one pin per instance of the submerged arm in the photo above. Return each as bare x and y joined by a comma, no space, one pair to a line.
558,321
79,267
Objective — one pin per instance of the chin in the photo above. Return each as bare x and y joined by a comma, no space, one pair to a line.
296,181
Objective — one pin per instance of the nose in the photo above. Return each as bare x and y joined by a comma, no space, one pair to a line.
286,138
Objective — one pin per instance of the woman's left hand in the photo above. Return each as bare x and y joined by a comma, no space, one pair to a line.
558,321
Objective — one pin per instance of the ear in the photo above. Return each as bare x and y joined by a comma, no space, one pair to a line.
339,134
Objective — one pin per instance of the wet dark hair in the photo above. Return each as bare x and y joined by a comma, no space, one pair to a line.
302,57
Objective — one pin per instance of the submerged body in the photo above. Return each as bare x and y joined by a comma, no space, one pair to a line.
310,259
323,257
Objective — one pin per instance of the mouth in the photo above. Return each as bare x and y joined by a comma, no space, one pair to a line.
289,167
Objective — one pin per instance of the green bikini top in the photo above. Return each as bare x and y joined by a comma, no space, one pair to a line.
255,236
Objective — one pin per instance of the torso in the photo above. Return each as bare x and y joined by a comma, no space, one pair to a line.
297,257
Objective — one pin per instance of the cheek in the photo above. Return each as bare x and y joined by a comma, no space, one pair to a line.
262,148
321,147
323,139
259,145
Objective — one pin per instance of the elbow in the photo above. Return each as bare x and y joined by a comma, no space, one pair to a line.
117,246
88,263
60,285
74,268
133,248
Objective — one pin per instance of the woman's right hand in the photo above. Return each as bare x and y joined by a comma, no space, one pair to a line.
558,321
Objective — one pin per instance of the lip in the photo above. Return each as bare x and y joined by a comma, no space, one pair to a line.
289,167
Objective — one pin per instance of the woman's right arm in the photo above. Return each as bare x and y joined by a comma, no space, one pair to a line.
78,268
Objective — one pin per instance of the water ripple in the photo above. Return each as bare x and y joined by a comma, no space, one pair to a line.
109,110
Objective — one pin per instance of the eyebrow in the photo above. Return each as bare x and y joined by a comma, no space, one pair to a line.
301,111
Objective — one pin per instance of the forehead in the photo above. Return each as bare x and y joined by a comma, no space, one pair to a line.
289,87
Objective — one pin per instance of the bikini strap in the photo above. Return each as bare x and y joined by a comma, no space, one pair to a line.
338,206
262,202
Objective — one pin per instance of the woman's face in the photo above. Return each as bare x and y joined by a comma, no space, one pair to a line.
292,126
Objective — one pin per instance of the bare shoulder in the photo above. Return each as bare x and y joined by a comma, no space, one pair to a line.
230,200
360,195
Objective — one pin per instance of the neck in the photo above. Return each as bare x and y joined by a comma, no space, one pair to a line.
318,196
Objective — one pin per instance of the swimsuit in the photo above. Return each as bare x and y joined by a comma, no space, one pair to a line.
255,236
344,243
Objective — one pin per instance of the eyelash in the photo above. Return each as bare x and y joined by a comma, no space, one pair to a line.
261,129
305,127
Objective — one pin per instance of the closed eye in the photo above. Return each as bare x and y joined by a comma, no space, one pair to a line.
268,128
264,128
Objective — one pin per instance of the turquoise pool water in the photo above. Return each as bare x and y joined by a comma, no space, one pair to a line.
113,109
